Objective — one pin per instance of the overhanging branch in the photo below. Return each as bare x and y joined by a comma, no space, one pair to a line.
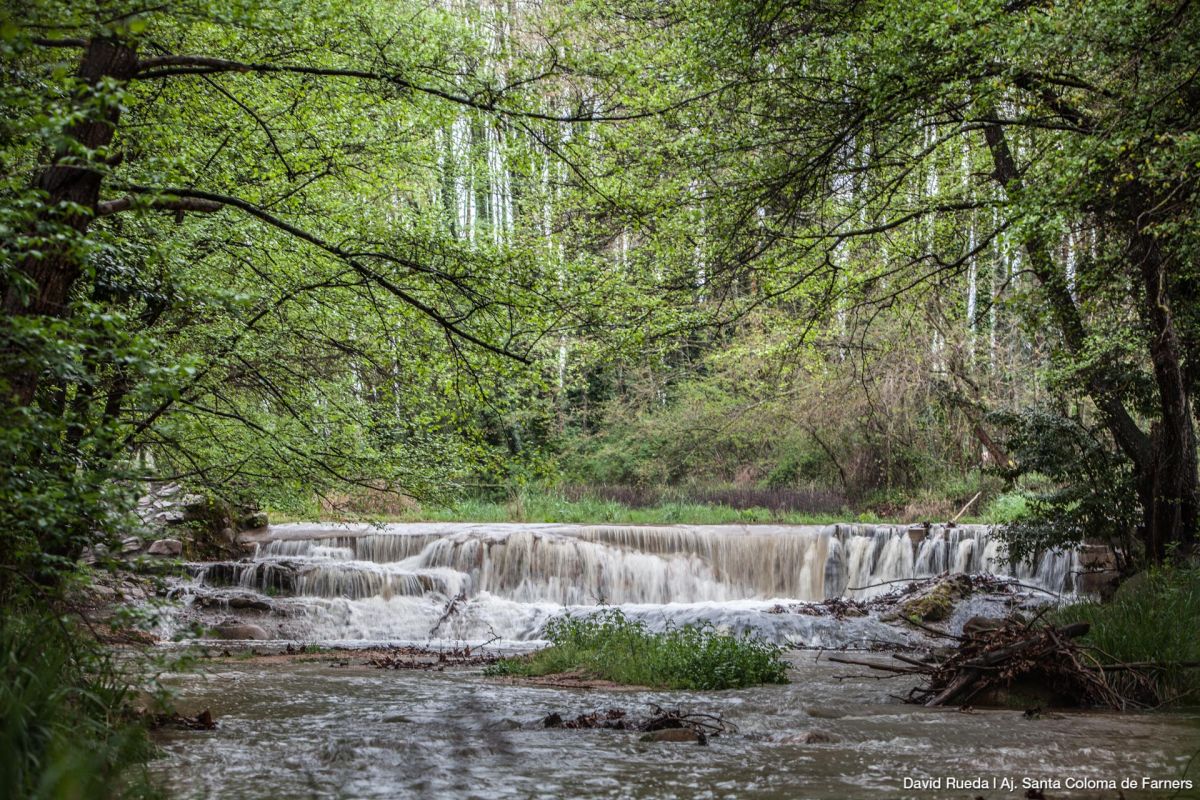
177,204
447,324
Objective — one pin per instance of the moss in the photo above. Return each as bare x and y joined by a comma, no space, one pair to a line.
938,603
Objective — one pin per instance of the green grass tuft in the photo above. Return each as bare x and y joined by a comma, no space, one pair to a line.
609,646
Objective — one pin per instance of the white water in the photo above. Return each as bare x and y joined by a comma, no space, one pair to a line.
483,581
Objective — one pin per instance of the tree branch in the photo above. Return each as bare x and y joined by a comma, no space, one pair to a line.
171,65
180,205
447,324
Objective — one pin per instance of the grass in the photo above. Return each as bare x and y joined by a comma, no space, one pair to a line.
541,504
609,646
1154,617
64,731
551,506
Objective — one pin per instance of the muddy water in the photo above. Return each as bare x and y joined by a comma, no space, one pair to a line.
299,730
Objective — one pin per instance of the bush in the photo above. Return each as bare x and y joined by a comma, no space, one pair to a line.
1154,617
609,646
64,730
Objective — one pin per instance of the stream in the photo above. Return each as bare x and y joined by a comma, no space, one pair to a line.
329,727
321,731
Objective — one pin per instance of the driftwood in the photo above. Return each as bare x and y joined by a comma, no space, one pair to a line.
1044,658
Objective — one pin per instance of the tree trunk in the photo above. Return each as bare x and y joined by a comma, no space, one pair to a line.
1168,489
50,277
1165,461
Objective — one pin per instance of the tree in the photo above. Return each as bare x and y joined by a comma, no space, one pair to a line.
227,252
863,155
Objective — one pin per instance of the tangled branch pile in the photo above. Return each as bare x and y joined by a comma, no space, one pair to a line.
428,659
1015,659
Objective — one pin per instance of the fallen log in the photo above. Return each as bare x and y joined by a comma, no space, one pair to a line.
877,665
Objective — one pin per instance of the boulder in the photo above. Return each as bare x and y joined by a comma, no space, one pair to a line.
166,547
131,544
240,630
937,603
249,602
254,521
674,735
172,516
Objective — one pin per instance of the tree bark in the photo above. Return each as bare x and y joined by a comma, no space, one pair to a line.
69,187
1169,502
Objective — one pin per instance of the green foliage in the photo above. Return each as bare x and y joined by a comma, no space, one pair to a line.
608,646
1081,487
65,733
1154,617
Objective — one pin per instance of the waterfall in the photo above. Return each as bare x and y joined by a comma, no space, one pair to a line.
402,580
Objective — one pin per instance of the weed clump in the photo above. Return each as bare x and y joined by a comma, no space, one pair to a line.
609,646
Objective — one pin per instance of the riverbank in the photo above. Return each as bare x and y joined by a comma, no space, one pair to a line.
652,507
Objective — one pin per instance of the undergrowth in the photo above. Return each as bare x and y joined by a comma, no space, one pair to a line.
609,646
64,731
1154,617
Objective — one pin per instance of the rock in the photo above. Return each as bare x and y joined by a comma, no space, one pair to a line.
811,737
166,547
249,602
937,603
131,544
254,521
240,630
194,502
977,625
229,535
172,516
675,735
819,712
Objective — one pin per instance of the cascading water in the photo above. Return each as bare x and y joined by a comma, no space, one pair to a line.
417,582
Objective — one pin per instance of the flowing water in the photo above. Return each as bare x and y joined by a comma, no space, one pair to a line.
314,730
476,582
318,730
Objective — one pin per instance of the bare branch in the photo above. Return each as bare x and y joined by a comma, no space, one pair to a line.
178,204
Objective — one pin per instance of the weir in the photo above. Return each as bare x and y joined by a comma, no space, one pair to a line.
422,581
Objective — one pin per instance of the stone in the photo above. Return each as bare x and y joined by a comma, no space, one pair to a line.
194,502
674,735
937,603
249,602
131,544
166,547
240,630
254,521
172,516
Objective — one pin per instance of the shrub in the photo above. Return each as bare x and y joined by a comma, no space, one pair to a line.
1154,617
64,732
609,646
